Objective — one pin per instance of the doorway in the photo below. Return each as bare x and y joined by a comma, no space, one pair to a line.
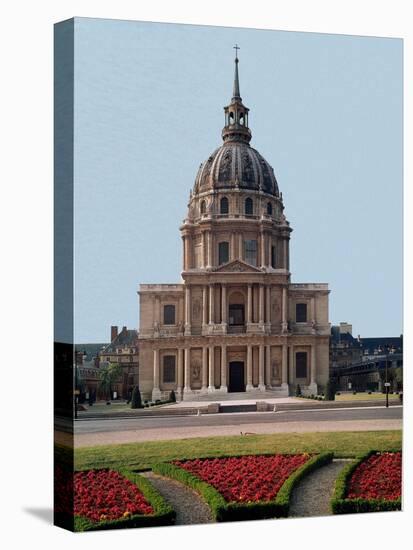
236,377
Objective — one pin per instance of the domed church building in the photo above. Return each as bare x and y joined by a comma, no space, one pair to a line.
235,323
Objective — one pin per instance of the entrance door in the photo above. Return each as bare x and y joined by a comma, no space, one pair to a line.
236,376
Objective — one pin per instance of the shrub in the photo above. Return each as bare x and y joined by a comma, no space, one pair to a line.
330,393
136,400
298,391
234,511
172,397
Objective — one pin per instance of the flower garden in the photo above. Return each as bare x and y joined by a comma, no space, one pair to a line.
371,484
107,499
244,487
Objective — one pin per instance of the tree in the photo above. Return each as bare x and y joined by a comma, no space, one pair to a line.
330,391
136,400
107,376
298,392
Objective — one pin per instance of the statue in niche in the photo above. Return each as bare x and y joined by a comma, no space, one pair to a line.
196,308
196,371
274,369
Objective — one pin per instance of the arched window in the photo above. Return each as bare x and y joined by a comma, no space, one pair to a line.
269,208
223,252
224,205
231,118
241,119
203,207
248,207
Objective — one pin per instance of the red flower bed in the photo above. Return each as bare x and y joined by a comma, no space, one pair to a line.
246,478
102,495
378,477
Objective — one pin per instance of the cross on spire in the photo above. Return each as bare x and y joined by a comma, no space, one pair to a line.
235,93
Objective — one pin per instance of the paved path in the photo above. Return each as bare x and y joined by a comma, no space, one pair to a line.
189,507
115,431
311,497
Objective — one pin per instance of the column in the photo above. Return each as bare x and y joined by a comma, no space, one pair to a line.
262,240
187,252
240,251
261,305
203,249
313,366
313,322
249,305
231,246
210,247
284,367
204,369
291,376
284,324
224,368
261,385
268,366
211,383
183,252
269,249
187,370
285,263
224,304
180,371
249,368
211,305
156,392
268,304
204,305
208,250
187,309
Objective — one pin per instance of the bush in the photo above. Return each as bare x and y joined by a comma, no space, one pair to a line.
298,391
342,505
330,393
234,511
172,397
163,512
354,392
136,400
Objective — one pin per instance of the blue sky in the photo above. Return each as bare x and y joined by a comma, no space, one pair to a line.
326,113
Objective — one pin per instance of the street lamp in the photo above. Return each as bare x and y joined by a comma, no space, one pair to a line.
386,385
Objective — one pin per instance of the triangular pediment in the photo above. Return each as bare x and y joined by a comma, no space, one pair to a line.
237,266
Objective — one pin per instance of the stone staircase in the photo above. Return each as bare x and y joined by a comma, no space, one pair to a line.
255,395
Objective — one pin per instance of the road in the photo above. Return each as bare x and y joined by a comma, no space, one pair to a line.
124,430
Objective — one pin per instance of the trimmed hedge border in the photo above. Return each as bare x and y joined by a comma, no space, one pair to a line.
342,505
234,511
164,513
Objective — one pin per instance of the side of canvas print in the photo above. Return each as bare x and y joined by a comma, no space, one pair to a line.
224,198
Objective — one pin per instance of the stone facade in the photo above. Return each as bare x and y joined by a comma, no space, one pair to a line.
235,322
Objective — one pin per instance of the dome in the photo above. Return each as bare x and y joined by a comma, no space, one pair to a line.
236,165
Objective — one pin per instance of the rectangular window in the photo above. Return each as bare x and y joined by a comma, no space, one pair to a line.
273,257
169,315
300,313
169,369
301,364
250,252
223,252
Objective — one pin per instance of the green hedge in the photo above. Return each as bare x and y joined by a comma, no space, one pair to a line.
234,511
164,513
342,505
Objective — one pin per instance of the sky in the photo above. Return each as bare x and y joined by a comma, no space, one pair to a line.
325,112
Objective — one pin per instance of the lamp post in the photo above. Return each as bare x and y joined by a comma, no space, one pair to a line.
387,384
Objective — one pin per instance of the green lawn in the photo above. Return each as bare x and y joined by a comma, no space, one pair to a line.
364,396
142,455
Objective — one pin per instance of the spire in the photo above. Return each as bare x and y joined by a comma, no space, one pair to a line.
236,114
235,93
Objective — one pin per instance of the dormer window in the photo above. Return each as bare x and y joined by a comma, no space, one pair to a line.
224,207
249,207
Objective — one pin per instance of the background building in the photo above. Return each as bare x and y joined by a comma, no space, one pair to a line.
236,323
363,363
124,351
